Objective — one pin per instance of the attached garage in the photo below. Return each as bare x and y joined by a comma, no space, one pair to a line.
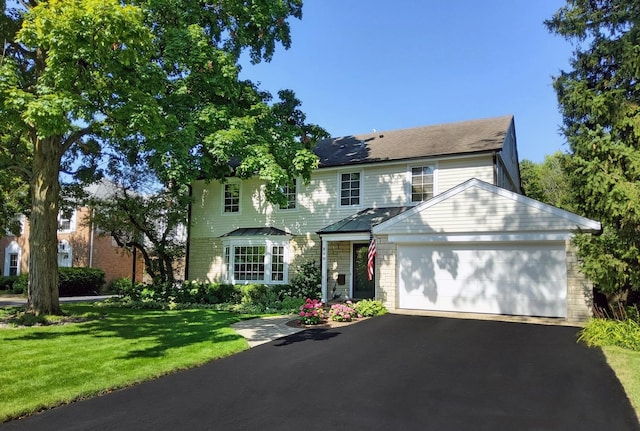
478,248
517,279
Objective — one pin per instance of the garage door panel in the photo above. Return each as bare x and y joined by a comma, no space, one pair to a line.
501,279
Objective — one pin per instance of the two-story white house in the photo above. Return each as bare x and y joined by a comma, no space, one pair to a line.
443,206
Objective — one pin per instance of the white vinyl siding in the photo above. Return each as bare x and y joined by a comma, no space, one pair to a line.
482,213
456,171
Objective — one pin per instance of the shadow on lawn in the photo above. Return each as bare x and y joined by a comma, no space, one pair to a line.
163,330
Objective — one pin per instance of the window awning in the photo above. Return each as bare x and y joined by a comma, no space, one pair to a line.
255,231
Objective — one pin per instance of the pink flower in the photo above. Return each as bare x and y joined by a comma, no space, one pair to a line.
302,314
308,314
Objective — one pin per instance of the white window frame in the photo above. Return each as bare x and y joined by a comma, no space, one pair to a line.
361,188
65,248
268,242
432,165
295,202
72,222
224,189
12,249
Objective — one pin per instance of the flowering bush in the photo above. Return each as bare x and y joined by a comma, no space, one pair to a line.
312,312
343,312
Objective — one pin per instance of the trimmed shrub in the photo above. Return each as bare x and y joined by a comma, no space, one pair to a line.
80,281
6,283
21,284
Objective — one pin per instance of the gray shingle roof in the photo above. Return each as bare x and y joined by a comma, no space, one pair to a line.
363,220
444,139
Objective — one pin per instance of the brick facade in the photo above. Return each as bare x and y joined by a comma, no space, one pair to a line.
88,248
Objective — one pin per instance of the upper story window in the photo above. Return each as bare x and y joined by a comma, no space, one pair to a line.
67,221
290,193
421,183
350,189
232,198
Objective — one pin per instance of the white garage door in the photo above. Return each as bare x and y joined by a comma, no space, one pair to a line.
518,279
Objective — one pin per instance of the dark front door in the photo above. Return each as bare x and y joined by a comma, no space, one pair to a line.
363,288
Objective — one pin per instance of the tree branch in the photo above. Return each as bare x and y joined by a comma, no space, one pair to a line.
75,137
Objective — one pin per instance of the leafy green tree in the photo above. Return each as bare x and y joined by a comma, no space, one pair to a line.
155,82
548,181
153,223
600,104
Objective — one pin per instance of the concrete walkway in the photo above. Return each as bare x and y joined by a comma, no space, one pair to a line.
265,329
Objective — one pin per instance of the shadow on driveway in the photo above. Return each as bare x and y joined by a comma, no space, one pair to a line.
392,372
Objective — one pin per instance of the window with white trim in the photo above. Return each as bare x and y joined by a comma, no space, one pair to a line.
350,189
421,183
231,198
277,263
256,260
67,222
65,254
12,259
289,191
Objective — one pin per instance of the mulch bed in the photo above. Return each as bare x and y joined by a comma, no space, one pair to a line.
328,324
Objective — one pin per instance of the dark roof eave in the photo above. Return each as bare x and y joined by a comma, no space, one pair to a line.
430,156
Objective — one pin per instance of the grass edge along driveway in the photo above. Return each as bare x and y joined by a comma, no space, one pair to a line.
47,366
626,364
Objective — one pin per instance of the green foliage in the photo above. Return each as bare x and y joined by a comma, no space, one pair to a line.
606,332
7,282
71,281
20,285
155,92
306,283
80,281
548,181
600,103
370,308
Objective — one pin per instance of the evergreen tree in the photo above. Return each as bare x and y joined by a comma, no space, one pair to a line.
600,103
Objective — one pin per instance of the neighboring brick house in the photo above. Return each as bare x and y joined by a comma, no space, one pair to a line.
80,244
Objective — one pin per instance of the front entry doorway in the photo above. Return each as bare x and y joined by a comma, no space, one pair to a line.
363,288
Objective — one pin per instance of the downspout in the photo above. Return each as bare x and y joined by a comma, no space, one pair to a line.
188,245
91,241
495,168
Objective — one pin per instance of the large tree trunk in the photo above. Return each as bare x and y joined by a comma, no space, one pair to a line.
43,240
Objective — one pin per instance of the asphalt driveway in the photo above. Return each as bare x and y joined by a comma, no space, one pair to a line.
388,373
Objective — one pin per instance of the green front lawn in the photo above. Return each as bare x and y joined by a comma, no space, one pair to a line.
46,366
626,364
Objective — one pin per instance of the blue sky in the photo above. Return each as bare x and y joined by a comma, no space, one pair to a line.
359,65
